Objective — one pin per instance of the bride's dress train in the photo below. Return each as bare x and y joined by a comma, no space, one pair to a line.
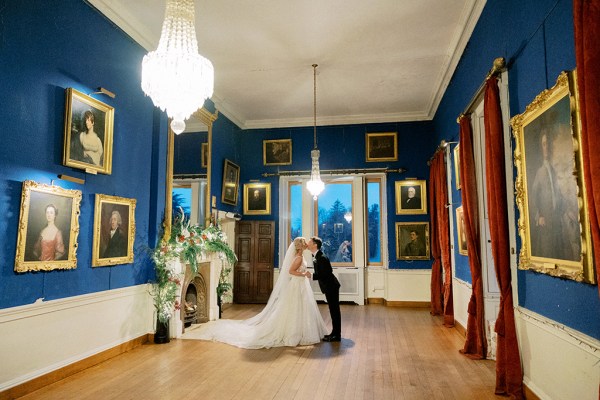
290,318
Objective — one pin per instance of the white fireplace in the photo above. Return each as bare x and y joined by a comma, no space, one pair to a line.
205,282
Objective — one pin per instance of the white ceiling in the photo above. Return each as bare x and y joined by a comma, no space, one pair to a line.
379,60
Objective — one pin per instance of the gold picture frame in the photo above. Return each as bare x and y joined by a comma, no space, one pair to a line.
231,179
412,241
114,230
381,146
257,198
550,190
204,157
277,152
411,197
88,138
48,228
457,167
460,231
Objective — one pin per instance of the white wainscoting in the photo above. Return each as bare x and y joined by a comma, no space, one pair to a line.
408,285
352,281
558,362
461,292
47,335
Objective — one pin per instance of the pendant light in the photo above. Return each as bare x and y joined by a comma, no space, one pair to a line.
315,185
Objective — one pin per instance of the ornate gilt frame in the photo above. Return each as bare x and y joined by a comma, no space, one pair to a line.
37,197
267,189
402,238
73,104
229,186
388,154
268,149
103,208
526,127
400,190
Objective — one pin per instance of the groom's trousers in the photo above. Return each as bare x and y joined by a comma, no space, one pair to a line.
333,301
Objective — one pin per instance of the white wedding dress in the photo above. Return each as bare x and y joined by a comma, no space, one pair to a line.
290,318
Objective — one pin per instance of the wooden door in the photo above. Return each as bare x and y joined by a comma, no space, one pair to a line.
253,273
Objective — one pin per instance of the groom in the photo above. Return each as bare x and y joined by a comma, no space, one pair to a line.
329,286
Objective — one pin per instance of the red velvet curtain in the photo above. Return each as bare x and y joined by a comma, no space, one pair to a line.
509,375
475,343
437,307
586,15
441,301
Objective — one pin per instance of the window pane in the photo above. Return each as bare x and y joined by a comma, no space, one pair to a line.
295,211
374,221
182,197
335,222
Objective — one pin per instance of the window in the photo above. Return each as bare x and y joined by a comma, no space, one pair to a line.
295,198
334,222
373,211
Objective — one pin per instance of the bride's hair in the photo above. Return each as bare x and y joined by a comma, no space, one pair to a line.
299,243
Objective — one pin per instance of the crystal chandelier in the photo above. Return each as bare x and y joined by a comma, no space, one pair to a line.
315,185
175,76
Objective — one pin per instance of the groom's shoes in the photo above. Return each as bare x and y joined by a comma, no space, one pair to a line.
332,338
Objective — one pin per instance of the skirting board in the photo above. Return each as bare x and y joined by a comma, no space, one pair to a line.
55,376
406,304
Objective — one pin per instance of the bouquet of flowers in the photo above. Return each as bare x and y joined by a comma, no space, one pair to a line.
187,242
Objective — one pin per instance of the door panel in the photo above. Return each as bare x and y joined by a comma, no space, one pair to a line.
253,273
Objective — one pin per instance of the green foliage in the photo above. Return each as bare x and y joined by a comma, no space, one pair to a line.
188,243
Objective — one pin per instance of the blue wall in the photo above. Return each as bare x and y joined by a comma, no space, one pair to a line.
537,40
45,48
343,147
187,157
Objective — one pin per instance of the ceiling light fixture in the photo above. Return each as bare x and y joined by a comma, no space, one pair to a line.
315,185
175,76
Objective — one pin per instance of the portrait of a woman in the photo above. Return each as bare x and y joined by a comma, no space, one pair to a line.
50,245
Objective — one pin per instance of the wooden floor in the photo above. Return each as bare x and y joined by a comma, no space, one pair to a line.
385,353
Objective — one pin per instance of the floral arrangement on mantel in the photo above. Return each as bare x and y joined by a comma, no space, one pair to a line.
187,242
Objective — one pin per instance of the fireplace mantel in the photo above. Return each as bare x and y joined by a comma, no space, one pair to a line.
213,263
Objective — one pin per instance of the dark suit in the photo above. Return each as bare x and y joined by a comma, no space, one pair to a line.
117,245
412,204
330,287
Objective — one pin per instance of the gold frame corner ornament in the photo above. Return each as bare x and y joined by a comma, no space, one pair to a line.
541,122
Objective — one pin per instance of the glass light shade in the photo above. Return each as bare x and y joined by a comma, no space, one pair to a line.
315,185
175,76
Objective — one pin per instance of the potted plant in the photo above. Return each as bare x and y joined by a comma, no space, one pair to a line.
188,243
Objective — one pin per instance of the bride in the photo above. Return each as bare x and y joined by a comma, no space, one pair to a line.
290,318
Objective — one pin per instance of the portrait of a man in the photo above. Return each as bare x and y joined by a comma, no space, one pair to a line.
411,197
412,241
114,230
115,243
231,174
551,186
257,198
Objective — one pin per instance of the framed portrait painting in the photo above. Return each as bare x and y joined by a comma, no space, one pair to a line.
553,221
460,231
204,158
88,133
457,167
277,152
382,146
412,241
114,230
411,197
231,179
48,228
257,198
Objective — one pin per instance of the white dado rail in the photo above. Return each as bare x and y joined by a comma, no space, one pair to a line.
211,278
